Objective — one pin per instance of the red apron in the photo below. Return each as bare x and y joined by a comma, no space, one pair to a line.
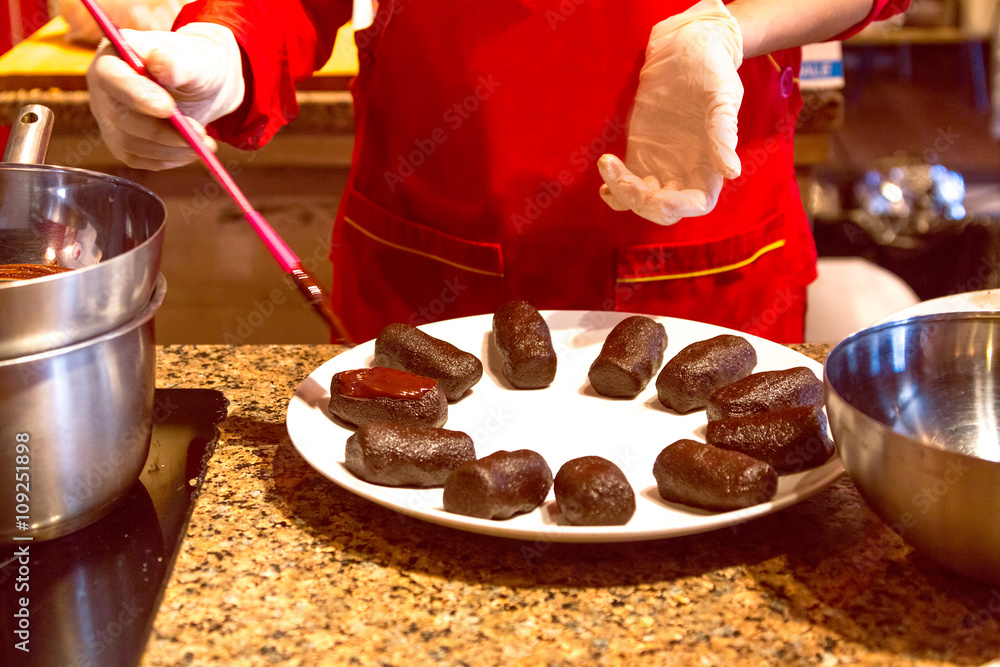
474,178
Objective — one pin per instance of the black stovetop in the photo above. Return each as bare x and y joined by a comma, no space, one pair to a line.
93,594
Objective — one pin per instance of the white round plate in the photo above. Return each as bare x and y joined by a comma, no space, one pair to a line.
561,422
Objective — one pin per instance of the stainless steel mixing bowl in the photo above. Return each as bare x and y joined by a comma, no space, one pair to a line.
914,408
107,229
75,425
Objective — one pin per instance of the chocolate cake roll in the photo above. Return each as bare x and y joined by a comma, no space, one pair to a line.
378,394
700,475
789,440
693,374
593,491
630,356
407,348
524,344
766,391
398,455
498,486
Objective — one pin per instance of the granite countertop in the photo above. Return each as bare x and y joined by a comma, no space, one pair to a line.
282,566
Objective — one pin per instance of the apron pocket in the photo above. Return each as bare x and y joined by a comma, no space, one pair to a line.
389,269
742,282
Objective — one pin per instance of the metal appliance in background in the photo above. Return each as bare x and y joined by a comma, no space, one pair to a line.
903,204
909,217
77,354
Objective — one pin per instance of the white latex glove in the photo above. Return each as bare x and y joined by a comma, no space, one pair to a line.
135,14
682,133
201,67
363,14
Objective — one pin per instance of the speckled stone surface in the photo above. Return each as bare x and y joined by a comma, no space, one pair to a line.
281,566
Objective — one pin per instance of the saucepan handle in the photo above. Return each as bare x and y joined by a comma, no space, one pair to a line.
29,135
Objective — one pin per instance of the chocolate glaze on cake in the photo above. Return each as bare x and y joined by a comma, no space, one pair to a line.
376,394
524,344
766,391
407,348
593,491
498,486
632,353
789,440
700,475
694,373
398,455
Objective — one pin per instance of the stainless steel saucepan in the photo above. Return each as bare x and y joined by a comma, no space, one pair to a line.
75,426
107,230
77,353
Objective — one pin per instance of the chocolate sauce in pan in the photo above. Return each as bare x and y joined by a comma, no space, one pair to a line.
385,382
10,273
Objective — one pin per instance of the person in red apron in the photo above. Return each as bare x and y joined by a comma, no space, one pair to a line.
477,175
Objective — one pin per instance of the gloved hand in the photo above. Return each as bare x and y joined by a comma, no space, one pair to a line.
363,14
135,14
201,67
682,133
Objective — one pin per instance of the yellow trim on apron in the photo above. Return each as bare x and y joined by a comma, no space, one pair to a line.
421,253
707,272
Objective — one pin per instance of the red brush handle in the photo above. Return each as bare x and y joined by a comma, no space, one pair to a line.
287,259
